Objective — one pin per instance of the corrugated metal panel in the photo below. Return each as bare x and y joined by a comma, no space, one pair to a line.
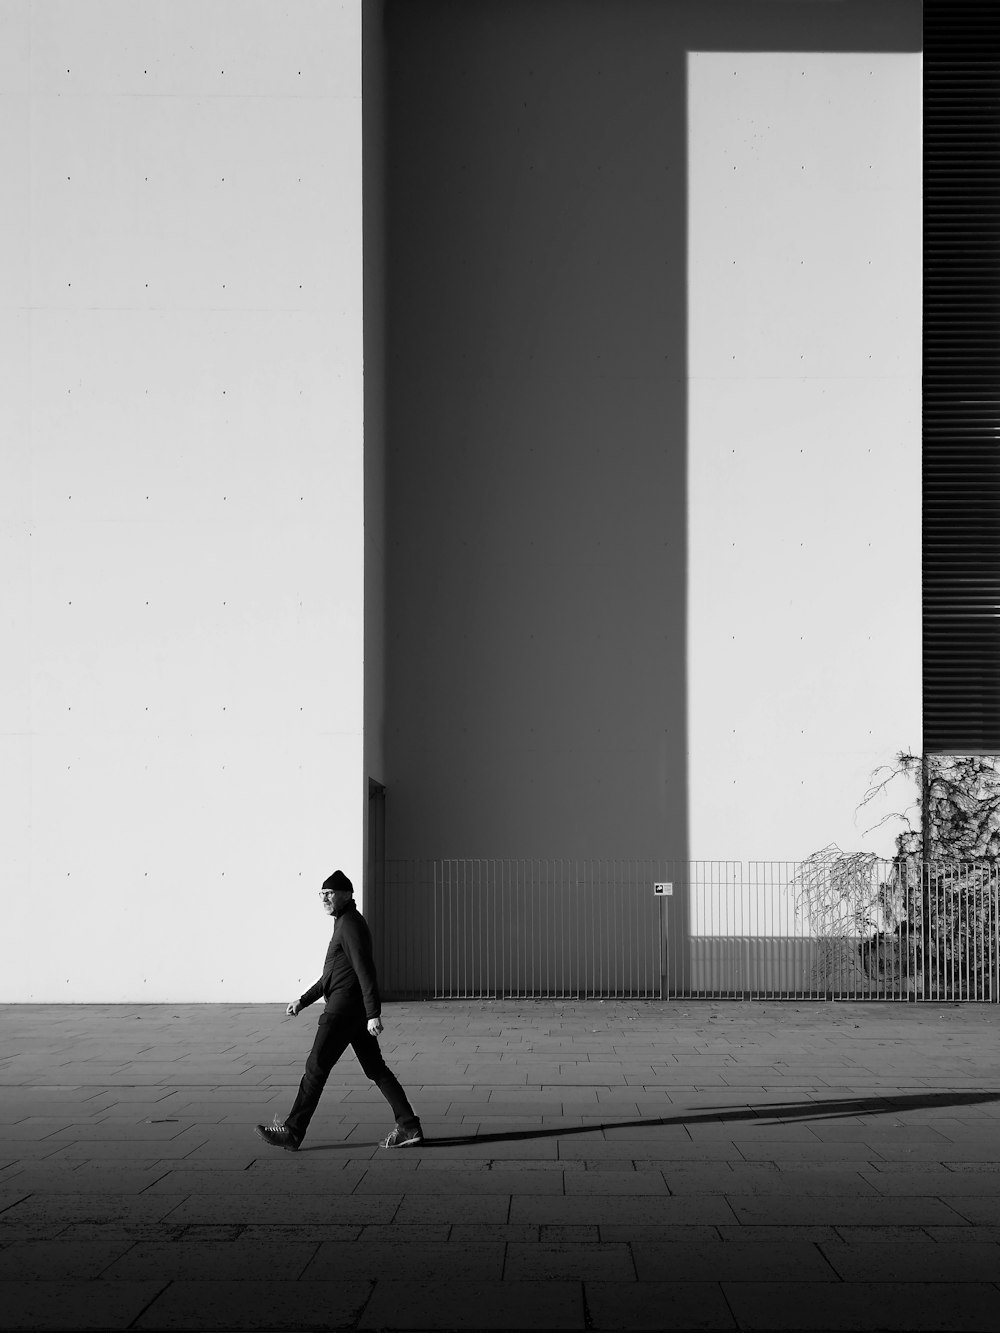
961,403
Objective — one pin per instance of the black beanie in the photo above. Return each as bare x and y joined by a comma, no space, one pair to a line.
338,883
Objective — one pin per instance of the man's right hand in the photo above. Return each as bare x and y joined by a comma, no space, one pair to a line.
293,1009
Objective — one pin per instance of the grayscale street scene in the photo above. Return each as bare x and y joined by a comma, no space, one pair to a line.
499,665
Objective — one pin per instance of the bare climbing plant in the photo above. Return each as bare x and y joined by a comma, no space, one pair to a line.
920,924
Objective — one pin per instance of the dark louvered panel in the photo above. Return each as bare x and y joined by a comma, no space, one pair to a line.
961,396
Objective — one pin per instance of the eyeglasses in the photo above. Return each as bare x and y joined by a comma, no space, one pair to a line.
326,894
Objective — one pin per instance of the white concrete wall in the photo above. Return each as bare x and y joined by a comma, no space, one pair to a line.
804,643
180,494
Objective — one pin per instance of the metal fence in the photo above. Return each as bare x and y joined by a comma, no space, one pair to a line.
847,928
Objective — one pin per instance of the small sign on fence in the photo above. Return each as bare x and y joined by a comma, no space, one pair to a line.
663,890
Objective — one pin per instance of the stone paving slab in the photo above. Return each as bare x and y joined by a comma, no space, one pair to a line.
734,1178
59,1304
68,1259
546,1261
87,1178
332,1180
853,1210
212,1260
263,1305
901,1261
630,1183
657,1305
50,1208
732,1261
457,1208
652,1209
904,1180
475,1305
284,1207
898,1306
587,1165
374,1260
428,1180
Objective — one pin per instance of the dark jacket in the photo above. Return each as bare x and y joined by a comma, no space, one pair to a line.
348,979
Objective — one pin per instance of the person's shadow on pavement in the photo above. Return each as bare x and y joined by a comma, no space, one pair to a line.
838,1108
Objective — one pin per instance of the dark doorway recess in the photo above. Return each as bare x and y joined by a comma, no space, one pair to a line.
375,843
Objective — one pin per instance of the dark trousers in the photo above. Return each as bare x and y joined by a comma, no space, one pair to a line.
336,1031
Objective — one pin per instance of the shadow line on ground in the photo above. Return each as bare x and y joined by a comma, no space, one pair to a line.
779,1114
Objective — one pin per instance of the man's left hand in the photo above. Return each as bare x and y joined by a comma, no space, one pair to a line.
374,1026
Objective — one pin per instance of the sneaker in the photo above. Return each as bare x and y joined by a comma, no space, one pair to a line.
404,1138
278,1136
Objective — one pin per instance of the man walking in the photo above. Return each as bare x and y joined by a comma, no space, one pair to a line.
350,1018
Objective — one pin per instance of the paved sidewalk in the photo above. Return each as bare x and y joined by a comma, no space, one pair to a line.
590,1165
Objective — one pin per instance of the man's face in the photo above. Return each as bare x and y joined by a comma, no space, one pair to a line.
333,900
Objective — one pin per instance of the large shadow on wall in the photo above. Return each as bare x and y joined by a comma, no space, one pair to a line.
536,410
